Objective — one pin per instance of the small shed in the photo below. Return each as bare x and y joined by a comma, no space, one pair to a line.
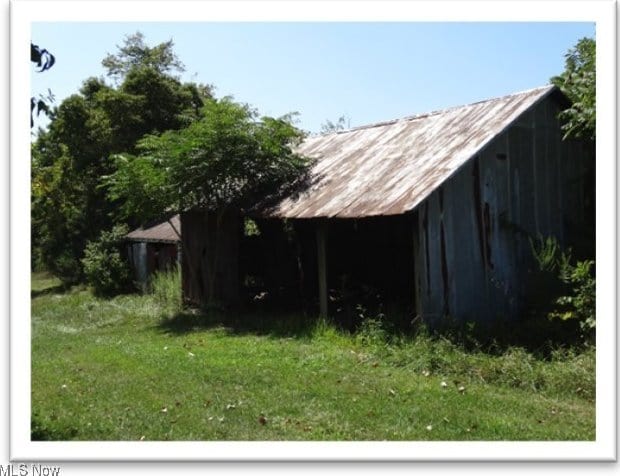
155,247
441,207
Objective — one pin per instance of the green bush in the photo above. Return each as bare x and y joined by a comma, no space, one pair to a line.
106,270
67,268
580,302
575,285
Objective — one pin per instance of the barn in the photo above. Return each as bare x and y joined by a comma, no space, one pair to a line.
436,211
154,247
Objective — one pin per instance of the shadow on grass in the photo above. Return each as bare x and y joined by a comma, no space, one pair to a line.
58,289
538,336
40,432
275,324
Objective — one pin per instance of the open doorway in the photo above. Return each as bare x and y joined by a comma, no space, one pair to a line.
370,267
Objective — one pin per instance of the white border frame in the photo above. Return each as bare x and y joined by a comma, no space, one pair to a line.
602,12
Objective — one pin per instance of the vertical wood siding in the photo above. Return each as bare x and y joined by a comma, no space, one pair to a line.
201,243
472,242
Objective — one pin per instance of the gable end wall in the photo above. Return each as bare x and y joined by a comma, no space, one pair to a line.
472,237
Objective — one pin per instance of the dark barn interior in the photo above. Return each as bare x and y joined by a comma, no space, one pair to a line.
371,264
369,270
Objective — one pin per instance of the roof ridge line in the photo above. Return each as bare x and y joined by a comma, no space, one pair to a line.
434,112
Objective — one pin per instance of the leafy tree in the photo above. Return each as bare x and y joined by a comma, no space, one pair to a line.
230,159
57,215
136,54
578,82
69,208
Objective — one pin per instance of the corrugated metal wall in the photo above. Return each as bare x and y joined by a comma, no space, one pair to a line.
471,243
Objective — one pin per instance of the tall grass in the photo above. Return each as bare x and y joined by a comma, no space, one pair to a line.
568,371
167,291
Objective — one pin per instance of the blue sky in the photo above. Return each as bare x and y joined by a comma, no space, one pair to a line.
368,72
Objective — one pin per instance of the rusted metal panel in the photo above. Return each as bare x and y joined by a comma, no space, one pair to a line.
390,168
161,232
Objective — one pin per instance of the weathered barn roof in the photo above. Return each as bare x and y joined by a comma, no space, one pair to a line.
391,167
160,233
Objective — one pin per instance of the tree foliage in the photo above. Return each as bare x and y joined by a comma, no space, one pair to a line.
69,207
578,82
105,268
135,53
341,124
230,158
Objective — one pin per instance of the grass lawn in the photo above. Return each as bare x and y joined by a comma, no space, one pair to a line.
121,369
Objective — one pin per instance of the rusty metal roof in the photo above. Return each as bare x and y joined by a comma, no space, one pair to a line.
391,167
160,233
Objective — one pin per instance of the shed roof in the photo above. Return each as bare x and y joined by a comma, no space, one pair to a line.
160,233
389,168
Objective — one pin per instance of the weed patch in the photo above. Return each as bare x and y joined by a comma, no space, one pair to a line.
166,290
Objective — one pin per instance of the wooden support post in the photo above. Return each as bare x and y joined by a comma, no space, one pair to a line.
321,242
